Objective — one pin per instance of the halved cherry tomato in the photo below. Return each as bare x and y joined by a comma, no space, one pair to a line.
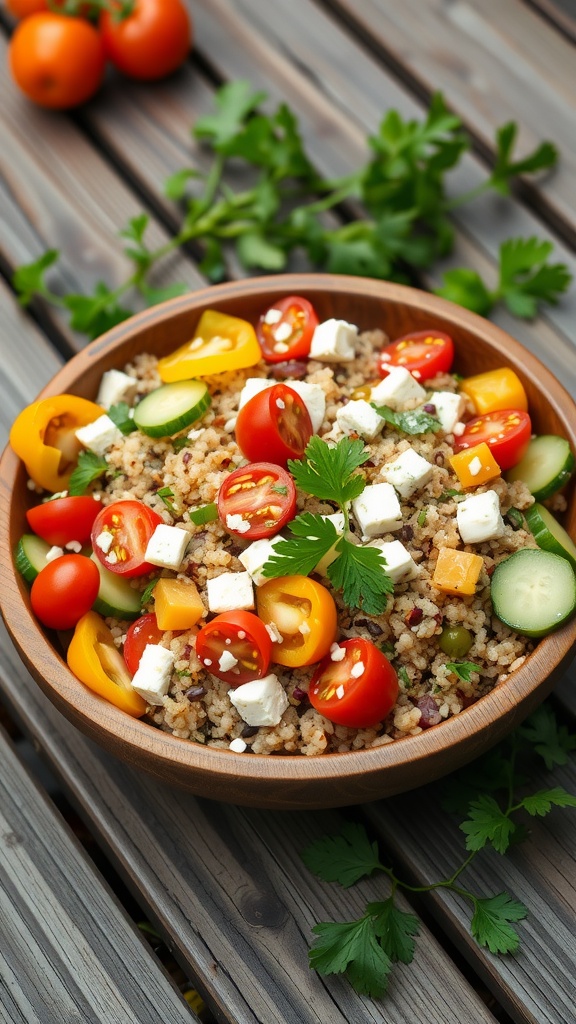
285,330
274,425
423,353
262,494
235,646
507,433
359,689
131,525
140,633
304,613
64,519
64,590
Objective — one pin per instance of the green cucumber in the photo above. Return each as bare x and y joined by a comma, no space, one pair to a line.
533,591
548,533
116,598
172,408
30,556
545,467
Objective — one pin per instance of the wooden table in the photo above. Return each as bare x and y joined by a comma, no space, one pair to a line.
226,887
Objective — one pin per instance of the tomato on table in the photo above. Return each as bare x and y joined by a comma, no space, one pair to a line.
263,495
57,61
235,646
423,353
140,633
130,525
358,689
151,41
62,520
274,425
286,328
64,590
507,433
304,613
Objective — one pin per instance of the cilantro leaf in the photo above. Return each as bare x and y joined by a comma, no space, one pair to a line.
545,156
551,741
462,669
154,296
95,314
490,924
90,467
395,928
120,416
415,421
235,101
328,472
255,250
465,287
314,536
542,802
136,228
487,823
344,858
175,185
352,947
359,572
526,279
28,280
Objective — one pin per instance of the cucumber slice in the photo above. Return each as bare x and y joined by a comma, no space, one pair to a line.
30,556
534,591
549,534
545,467
172,408
116,598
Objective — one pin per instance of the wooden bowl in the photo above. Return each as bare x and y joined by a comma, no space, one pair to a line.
294,781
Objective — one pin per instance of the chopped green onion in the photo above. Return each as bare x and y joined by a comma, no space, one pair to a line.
204,514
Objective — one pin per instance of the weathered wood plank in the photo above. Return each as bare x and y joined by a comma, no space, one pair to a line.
560,13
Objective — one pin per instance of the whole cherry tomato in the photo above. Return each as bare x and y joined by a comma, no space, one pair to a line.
423,353
150,42
274,426
285,330
130,525
235,646
140,633
507,433
64,519
64,590
357,688
57,61
262,494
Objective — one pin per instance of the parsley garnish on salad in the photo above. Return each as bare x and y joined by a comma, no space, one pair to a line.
412,422
90,467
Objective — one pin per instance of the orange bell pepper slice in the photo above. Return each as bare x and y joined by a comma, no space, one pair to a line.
475,466
43,436
457,572
220,343
304,613
495,389
95,660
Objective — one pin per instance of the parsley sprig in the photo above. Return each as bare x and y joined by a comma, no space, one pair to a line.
491,794
90,467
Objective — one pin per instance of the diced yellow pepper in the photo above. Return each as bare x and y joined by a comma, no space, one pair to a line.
457,572
220,343
495,389
177,604
475,466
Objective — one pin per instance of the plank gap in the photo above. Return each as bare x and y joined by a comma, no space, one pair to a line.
560,15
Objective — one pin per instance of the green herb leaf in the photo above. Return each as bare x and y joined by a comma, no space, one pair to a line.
255,250
515,518
120,416
345,858
166,493
463,669
90,467
421,520
204,514
360,573
551,741
235,101
328,472
542,158
526,279
313,535
146,596
28,280
404,677
490,925
175,185
395,929
96,314
412,422
154,296
542,802
180,442
353,948
487,823
466,288
448,494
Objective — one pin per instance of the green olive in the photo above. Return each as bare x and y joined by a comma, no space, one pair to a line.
455,641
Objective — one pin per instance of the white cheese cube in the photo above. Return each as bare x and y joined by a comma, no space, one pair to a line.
261,701
152,678
253,386
400,566
378,510
254,558
230,591
479,519
358,417
166,546
408,472
115,387
314,399
334,341
100,435
54,552
449,409
398,388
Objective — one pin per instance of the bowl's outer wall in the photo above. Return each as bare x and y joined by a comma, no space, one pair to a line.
290,781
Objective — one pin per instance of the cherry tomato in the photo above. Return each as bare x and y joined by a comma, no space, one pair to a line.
64,519
140,633
131,525
358,690
423,353
149,43
285,330
64,590
57,61
24,8
304,612
507,433
235,646
274,425
264,496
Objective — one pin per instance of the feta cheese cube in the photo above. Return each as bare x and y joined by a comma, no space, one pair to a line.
479,519
254,558
449,409
236,522
358,417
152,678
408,472
253,386
166,546
227,661
400,566
115,387
378,510
261,701
334,341
398,388
238,745
230,591
54,552
100,435
314,399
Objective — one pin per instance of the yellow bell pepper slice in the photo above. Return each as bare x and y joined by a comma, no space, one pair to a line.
44,437
475,466
177,604
220,343
457,572
95,660
495,389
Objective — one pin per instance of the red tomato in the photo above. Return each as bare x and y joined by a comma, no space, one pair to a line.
24,8
244,637
141,632
64,590
149,43
64,519
56,60
285,330
274,425
357,691
423,353
131,525
263,494
506,432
